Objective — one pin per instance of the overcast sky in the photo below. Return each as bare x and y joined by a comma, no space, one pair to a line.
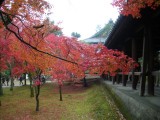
82,16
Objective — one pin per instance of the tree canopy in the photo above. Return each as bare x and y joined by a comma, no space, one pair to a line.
75,34
134,7
35,47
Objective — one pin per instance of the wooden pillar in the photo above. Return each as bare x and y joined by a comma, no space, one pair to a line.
144,65
124,77
124,80
150,65
134,56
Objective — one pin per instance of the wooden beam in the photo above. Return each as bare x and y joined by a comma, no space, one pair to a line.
130,73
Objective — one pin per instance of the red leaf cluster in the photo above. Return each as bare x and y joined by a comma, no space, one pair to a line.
133,7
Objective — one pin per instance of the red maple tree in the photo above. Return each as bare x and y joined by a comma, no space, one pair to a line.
134,7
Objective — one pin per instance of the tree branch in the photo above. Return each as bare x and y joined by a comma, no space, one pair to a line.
24,42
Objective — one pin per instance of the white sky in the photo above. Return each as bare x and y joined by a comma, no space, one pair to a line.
82,16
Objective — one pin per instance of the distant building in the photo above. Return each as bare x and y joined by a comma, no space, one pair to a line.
101,35
94,40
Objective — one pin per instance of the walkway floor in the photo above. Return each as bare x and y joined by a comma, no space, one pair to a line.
147,107
17,83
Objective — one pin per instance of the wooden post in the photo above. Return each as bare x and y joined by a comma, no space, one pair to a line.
124,80
150,64
144,65
134,56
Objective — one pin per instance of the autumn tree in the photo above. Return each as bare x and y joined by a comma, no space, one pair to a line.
6,57
4,54
95,58
38,62
134,7
17,15
57,31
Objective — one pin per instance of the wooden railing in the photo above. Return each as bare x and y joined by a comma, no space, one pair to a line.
130,73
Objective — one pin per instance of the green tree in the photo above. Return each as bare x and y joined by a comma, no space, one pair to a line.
104,32
75,34
57,31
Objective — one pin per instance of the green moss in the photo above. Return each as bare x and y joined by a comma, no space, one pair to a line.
118,102
93,105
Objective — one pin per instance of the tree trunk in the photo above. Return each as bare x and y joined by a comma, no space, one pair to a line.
25,83
31,87
1,89
60,92
12,84
37,92
113,79
31,91
85,82
37,88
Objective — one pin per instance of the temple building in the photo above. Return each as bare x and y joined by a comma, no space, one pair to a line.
139,39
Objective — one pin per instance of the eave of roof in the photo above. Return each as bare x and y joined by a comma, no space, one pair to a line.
123,27
99,39
126,26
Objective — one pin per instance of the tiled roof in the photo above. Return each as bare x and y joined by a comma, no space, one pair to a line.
94,40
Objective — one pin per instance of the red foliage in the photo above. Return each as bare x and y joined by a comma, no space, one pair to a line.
5,53
96,59
37,82
133,7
